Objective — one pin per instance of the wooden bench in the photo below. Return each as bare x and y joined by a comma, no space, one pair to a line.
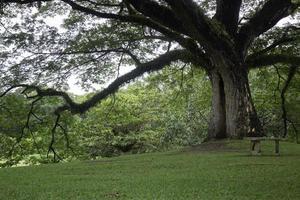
255,142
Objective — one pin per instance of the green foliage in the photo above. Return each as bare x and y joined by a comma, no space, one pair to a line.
147,116
139,118
266,86
25,132
168,109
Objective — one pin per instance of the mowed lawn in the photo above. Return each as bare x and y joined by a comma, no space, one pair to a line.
211,171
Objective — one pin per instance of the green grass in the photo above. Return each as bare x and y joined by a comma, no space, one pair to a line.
195,173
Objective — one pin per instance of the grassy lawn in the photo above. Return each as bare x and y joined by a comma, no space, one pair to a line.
215,171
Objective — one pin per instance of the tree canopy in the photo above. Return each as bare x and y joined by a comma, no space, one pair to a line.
99,38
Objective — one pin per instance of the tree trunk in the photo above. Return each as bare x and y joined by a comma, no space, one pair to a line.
217,126
233,111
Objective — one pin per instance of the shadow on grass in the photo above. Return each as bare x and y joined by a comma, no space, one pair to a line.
267,155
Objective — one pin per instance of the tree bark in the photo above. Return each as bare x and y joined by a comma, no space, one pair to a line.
217,126
233,111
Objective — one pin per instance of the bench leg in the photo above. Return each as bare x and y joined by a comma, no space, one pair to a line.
277,147
252,145
259,147
257,150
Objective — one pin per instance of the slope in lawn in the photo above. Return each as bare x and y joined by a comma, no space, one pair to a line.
216,171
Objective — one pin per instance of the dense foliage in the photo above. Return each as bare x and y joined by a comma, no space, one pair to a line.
207,70
168,109
96,41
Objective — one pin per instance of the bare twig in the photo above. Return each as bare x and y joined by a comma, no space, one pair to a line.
25,127
56,157
292,72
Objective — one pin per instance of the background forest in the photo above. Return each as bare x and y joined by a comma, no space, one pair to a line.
164,110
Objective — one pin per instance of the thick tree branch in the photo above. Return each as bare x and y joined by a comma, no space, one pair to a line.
228,14
208,32
166,27
194,19
187,43
275,44
154,65
109,5
137,19
159,13
42,92
263,20
267,60
23,1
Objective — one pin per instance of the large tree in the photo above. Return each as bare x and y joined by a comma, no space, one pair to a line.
225,38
